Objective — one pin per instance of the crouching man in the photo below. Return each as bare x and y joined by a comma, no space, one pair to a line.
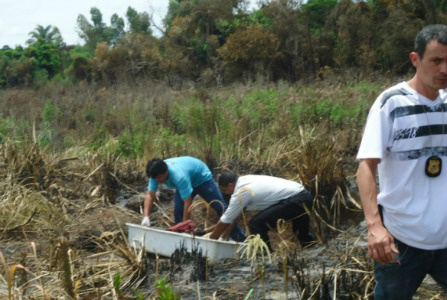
275,198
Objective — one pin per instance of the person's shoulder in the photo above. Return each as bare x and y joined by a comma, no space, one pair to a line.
182,160
400,89
443,94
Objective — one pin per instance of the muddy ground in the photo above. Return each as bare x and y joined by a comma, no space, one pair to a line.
74,244
311,268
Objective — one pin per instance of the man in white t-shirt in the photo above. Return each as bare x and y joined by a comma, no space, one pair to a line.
275,198
405,142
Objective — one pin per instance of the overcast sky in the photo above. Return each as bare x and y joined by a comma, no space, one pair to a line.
19,17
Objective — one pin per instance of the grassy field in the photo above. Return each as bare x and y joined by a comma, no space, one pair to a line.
68,153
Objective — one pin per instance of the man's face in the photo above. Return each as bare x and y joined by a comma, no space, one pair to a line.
162,177
432,68
229,189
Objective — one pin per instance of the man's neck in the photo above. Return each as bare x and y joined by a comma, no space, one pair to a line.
422,89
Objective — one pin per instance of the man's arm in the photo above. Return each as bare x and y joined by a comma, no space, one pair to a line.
149,203
380,242
218,230
187,204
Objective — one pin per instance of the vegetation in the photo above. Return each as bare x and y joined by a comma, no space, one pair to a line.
282,90
67,161
218,42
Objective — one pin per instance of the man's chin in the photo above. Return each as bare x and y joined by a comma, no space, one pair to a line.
441,83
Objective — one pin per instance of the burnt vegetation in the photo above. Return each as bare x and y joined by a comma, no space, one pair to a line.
282,90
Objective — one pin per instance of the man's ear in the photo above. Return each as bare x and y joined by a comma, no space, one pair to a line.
414,57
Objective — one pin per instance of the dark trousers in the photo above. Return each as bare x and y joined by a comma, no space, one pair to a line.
290,209
208,191
399,281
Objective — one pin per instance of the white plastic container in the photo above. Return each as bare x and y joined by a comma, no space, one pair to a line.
164,243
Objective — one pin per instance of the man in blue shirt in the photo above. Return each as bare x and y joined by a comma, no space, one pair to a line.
190,177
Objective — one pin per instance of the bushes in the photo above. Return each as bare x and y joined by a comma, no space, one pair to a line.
249,51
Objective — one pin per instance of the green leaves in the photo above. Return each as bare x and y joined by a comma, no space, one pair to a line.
165,291
47,35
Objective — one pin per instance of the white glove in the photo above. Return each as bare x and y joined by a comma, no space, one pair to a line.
146,222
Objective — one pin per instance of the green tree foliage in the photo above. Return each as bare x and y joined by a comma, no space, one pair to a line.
97,31
209,40
173,8
193,29
48,35
45,57
15,67
116,28
138,22
317,12
40,61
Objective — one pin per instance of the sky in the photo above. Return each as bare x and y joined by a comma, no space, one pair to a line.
19,17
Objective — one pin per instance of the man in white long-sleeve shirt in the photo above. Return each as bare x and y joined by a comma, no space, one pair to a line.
275,198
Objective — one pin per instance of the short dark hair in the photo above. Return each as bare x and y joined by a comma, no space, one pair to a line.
156,167
226,178
437,32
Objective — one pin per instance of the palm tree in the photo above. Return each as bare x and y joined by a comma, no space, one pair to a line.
49,34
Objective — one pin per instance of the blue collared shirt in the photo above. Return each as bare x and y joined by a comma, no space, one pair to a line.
185,173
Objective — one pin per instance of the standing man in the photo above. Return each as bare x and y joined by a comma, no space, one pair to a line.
405,139
275,198
190,177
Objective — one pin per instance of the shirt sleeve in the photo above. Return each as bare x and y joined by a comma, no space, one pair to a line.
153,185
377,134
238,201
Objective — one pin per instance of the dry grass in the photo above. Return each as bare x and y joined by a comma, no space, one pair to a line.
57,199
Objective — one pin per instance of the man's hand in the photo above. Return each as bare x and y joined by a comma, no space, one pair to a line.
381,245
146,222
218,230
206,236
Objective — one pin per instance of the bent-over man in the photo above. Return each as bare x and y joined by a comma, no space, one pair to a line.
190,177
275,198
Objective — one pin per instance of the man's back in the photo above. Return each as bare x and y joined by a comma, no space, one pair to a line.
258,192
185,173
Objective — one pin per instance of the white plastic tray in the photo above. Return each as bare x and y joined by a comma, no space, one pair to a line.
164,243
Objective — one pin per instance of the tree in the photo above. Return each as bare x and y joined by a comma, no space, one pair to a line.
195,30
46,59
249,51
138,22
15,67
317,12
49,34
117,28
97,31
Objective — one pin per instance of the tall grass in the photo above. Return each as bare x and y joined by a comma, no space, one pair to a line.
305,133
69,153
150,119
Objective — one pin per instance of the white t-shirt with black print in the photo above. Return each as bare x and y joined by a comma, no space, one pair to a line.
404,129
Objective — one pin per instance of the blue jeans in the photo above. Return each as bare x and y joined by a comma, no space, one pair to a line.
208,191
396,281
